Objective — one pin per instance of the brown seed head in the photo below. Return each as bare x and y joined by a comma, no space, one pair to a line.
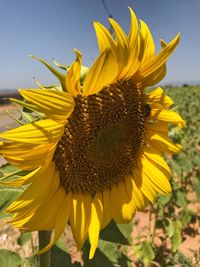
102,138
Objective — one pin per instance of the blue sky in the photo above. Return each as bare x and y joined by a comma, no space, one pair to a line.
52,28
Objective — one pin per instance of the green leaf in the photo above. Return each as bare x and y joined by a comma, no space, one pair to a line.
181,199
124,261
126,230
52,86
176,134
9,259
24,238
14,118
176,239
113,233
59,65
30,116
105,256
111,250
164,200
60,244
59,75
145,251
176,167
84,71
8,195
59,258
9,172
99,260
23,104
183,261
174,232
186,164
7,168
197,187
170,229
186,217
31,261
196,160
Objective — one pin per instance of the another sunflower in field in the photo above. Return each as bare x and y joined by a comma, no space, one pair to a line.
97,153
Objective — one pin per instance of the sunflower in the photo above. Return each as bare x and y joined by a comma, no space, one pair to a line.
97,152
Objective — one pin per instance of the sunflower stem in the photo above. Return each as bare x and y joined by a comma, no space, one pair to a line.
44,239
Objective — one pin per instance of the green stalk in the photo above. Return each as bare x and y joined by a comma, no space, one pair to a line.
44,238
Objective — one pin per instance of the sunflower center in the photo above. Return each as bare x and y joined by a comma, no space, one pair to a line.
102,138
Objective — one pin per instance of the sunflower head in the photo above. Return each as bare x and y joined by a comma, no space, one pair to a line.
96,153
101,139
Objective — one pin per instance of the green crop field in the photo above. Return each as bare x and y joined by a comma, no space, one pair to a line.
166,233
178,215
172,236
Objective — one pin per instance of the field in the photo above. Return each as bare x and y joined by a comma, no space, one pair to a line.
165,234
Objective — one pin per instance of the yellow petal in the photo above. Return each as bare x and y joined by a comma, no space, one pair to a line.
39,132
19,219
163,43
16,146
169,116
150,179
25,179
95,222
133,32
149,46
104,38
158,96
162,143
157,178
133,59
122,207
72,78
61,221
80,217
32,195
106,208
121,38
158,126
30,159
102,73
45,216
153,155
16,149
154,77
141,45
158,60
54,104
121,44
143,184
138,198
